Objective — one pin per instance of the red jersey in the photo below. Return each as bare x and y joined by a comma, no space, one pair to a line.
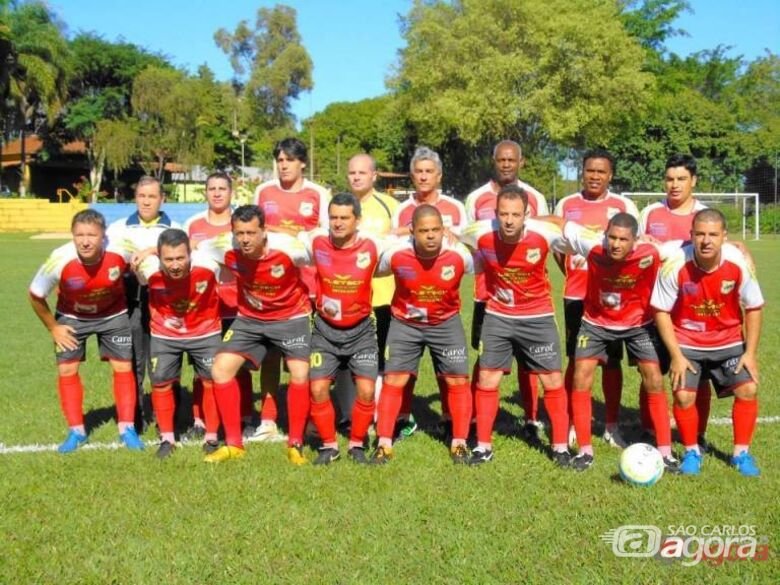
183,308
453,214
269,288
706,307
427,290
302,210
343,276
664,224
84,291
198,229
516,278
593,214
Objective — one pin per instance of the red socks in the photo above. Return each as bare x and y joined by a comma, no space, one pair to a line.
555,403
324,418
744,414
582,409
459,401
210,411
486,404
125,396
362,417
387,412
687,424
658,410
703,402
298,405
164,407
612,382
71,399
529,392
228,399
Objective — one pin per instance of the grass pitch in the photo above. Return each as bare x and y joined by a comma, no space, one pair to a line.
114,516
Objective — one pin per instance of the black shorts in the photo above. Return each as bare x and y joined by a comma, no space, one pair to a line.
115,340
252,338
718,366
572,314
642,344
166,357
533,342
354,347
476,323
445,341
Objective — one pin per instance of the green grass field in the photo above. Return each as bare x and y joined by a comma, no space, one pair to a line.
114,516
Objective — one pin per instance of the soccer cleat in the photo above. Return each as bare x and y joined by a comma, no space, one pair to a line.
165,450
459,454
195,434
224,453
295,455
381,455
671,465
572,437
131,440
691,463
561,458
267,432
358,455
326,456
405,428
745,464
704,446
72,442
210,446
480,455
582,462
614,439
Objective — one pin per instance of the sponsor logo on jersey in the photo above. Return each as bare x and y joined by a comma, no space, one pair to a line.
406,272
727,286
75,283
363,259
447,272
322,257
277,270
306,208
690,288
271,207
533,255
573,214
200,286
646,262
114,272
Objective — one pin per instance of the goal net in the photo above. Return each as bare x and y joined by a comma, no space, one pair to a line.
741,209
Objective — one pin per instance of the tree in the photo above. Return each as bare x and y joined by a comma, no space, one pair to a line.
116,142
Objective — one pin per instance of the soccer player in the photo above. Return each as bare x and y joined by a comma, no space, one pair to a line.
273,312
185,318
90,300
703,296
621,276
520,319
138,233
343,332
425,313
292,204
481,205
592,207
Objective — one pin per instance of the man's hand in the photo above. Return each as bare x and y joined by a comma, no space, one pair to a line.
138,257
677,370
578,261
64,338
750,363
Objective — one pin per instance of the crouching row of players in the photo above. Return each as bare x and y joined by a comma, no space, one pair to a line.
696,299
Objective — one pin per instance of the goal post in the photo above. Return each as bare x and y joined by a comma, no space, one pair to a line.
735,206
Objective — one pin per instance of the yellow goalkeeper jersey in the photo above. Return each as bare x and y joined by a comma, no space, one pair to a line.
377,209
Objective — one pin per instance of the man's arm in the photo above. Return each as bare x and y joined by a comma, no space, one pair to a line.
749,359
61,334
679,365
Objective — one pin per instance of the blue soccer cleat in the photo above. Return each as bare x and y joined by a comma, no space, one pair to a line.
72,442
691,463
745,464
131,440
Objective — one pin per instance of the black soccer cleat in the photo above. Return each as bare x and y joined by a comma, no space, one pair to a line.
582,462
381,455
326,456
165,450
671,465
459,455
210,446
358,455
480,455
561,458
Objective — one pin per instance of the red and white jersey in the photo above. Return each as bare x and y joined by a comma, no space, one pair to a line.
269,288
665,224
183,308
301,210
706,307
427,290
343,276
84,291
199,229
516,278
618,295
593,214
481,202
453,214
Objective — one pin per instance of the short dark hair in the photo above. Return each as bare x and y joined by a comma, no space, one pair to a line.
513,191
293,148
346,199
220,175
710,214
682,160
425,210
89,216
624,220
599,153
248,213
173,238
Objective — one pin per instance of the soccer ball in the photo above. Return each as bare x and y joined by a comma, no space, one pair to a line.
641,464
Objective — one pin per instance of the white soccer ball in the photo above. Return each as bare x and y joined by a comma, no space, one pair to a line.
641,464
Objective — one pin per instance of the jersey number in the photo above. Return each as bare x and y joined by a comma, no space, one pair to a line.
582,341
315,360
227,336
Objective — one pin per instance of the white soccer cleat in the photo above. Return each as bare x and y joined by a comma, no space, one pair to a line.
266,432
614,439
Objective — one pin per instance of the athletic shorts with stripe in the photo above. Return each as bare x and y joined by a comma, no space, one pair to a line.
717,365
642,344
572,315
115,340
252,338
533,342
445,341
167,354
352,347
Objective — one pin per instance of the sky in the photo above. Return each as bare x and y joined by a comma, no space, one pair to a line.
354,44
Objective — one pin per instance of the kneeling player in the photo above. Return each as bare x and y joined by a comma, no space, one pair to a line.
184,309
699,299
425,310
90,300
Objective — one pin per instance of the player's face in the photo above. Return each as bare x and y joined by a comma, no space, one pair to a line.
679,184
620,242
510,214
342,221
250,237
428,234
426,176
596,176
175,260
507,164
218,195
361,175
708,238
148,200
290,169
88,239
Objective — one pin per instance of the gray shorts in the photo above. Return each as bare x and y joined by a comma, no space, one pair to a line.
333,348
642,344
251,339
716,365
445,341
533,342
166,357
115,340
573,309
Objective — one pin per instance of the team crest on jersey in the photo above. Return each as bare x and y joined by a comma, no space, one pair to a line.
200,286
612,212
306,208
363,259
447,272
277,270
533,255
727,286
645,262
114,272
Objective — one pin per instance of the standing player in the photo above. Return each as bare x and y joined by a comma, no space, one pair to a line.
481,205
343,333
90,300
703,296
592,207
184,308
425,308
273,312
520,318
